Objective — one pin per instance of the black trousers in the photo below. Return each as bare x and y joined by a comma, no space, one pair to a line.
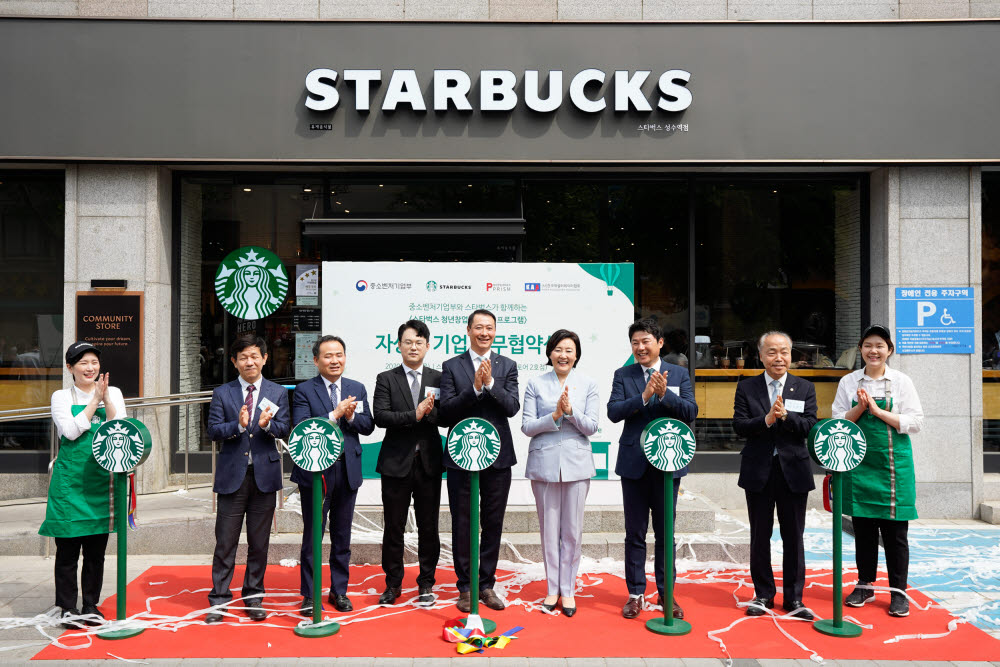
640,498
338,507
494,487
425,490
258,508
791,521
92,576
895,543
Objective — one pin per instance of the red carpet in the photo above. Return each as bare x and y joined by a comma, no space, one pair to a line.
597,630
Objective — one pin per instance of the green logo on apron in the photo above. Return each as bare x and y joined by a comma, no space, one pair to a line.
474,444
315,444
120,445
838,444
251,283
668,444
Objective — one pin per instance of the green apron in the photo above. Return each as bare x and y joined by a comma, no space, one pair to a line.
81,493
884,485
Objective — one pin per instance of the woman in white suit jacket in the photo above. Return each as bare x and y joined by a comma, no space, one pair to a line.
560,412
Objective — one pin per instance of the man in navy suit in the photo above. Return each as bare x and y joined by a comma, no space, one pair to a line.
642,392
330,395
775,411
480,383
245,416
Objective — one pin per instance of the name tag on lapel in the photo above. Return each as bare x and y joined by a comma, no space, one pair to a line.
793,405
435,392
676,390
265,403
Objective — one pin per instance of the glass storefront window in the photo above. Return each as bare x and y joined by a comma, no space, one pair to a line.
991,321
32,236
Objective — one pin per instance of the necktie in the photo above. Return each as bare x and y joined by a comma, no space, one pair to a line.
775,386
414,388
654,398
333,395
249,406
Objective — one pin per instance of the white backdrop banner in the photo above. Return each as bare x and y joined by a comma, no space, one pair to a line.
365,302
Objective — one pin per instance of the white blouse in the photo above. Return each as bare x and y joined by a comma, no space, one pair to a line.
71,427
899,386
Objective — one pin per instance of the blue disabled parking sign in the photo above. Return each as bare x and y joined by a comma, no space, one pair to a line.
935,320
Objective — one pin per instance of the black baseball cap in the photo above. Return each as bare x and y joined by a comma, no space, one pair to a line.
877,330
75,351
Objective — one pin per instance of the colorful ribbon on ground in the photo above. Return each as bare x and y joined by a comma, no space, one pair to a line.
473,639
132,501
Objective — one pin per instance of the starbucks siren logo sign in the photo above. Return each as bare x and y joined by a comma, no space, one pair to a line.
669,444
838,444
474,444
120,445
251,283
315,444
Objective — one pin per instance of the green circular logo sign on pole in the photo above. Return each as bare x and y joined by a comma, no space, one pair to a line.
121,445
473,444
251,283
837,444
668,444
314,444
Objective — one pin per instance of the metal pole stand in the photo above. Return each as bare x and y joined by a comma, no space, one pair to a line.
837,627
489,627
318,627
121,527
668,625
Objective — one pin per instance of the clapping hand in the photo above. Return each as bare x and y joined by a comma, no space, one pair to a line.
779,408
101,387
660,386
265,417
244,417
564,404
864,399
483,375
345,408
425,406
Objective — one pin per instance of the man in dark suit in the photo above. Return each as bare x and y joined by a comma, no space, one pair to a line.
245,416
344,401
774,411
480,383
409,461
642,392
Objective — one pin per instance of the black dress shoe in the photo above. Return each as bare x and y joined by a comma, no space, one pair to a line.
255,612
678,612
632,607
569,611
758,606
341,602
491,600
95,613
307,607
71,625
213,618
798,610
390,595
426,598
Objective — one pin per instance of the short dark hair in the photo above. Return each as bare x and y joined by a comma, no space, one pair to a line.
327,339
558,337
417,325
648,325
481,311
245,341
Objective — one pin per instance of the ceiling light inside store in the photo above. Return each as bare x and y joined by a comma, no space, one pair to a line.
346,210
306,189
247,190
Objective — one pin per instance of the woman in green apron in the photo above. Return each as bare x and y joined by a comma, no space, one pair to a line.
880,494
79,510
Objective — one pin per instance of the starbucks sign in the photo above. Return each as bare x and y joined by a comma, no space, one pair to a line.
473,444
120,445
251,283
315,444
837,444
668,444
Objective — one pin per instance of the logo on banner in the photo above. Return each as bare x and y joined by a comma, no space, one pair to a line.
532,287
668,444
474,444
361,285
432,286
251,283
118,446
838,444
315,444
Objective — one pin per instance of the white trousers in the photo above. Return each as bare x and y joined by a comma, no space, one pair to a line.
560,516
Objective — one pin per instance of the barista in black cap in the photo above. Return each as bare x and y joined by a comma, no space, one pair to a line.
79,514
880,494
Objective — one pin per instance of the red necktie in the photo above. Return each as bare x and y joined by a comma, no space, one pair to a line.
249,402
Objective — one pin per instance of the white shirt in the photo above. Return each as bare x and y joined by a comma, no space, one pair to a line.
905,401
340,394
419,370
70,427
256,398
476,361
